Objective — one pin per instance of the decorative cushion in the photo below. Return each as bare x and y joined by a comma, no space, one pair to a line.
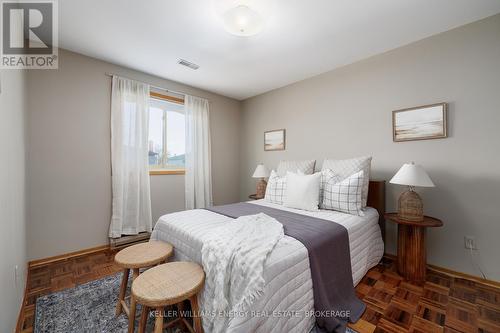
302,191
326,175
348,167
276,188
346,195
305,166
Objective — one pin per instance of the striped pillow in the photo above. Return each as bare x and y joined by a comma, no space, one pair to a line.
305,166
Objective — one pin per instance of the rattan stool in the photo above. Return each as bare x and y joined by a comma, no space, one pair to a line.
165,285
132,258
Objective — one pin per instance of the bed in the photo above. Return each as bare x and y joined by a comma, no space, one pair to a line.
287,302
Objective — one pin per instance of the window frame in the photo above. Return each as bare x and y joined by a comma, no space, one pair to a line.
159,170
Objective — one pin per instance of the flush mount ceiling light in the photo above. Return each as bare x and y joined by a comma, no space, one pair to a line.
242,21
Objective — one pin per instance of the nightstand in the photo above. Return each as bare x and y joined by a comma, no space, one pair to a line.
411,246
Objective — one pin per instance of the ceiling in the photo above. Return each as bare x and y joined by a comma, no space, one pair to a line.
302,38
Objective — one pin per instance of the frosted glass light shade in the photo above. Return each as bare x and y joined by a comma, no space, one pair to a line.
260,172
412,174
242,21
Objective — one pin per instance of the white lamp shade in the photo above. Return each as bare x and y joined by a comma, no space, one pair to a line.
261,171
412,175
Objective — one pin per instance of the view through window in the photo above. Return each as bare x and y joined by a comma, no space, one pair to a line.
167,140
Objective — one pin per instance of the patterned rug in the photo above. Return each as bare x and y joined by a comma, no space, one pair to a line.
86,308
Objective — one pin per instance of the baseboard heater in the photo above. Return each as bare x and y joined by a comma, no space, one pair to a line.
124,241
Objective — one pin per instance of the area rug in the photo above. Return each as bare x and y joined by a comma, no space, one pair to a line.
89,307
86,308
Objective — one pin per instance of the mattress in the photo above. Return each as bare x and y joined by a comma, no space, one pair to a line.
287,303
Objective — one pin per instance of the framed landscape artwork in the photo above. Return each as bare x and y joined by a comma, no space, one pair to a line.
274,140
420,123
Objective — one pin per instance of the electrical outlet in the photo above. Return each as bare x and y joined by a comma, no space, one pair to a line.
470,242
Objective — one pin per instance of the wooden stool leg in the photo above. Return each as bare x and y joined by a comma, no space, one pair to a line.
131,316
180,314
198,328
135,273
180,309
123,289
144,319
159,320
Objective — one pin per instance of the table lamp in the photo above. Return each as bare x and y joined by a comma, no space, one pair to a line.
410,206
261,172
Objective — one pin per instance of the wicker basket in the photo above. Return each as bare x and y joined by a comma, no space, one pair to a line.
261,189
410,207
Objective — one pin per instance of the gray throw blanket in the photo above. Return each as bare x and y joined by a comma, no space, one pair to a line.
335,301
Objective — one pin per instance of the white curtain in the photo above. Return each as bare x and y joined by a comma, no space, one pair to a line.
129,158
198,164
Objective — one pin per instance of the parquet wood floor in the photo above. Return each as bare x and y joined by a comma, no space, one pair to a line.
443,304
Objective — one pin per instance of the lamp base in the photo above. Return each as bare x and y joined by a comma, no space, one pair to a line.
261,189
410,207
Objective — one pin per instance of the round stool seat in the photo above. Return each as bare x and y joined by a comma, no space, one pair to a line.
144,254
168,284
132,258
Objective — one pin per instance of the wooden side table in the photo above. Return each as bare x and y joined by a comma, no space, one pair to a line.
411,246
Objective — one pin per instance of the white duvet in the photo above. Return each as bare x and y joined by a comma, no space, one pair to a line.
286,303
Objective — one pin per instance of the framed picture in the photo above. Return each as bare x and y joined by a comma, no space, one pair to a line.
420,123
274,140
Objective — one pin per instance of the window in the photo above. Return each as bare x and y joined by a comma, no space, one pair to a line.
167,139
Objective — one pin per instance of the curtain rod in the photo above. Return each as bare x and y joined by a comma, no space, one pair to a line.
153,86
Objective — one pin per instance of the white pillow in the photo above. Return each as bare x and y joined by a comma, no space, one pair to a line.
305,166
276,188
348,167
302,191
344,196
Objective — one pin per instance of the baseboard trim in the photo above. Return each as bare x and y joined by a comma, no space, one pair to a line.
450,272
20,317
66,256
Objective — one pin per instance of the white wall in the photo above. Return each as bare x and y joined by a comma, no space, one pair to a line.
347,112
69,162
12,196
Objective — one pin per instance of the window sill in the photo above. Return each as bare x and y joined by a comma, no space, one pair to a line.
167,172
